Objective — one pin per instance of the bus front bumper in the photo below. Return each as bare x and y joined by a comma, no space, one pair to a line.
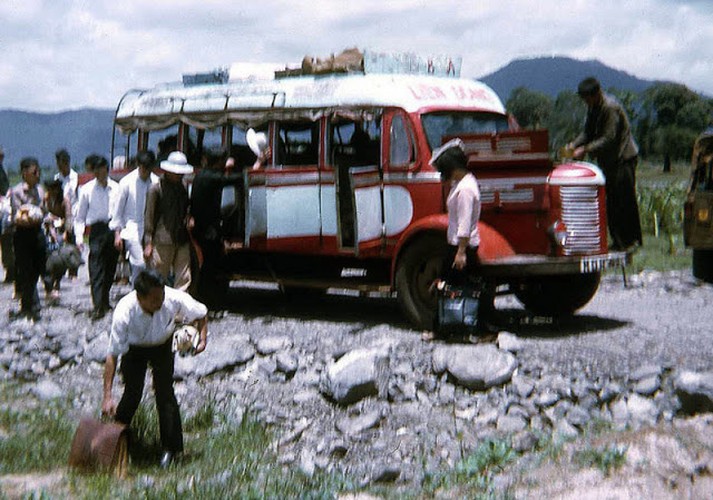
534,265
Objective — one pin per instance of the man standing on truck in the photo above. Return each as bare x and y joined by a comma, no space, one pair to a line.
607,137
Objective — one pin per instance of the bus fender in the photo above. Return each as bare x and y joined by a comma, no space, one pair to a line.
493,245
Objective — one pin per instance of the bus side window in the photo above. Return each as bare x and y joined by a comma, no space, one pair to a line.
401,151
355,143
298,144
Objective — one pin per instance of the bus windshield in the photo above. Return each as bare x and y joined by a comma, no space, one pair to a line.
449,123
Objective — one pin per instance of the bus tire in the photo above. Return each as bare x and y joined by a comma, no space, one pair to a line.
558,295
418,267
703,265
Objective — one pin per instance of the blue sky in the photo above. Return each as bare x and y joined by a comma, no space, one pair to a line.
68,54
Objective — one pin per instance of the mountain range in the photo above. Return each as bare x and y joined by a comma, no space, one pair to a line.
87,131
552,75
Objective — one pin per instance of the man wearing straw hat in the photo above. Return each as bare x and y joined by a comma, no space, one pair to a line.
167,221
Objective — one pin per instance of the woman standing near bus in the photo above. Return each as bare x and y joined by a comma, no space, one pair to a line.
461,261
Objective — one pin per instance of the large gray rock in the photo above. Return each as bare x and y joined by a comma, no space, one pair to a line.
475,367
642,410
273,344
217,357
647,386
695,391
358,374
509,342
287,363
354,425
97,349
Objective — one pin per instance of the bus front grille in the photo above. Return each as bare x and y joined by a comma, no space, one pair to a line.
580,214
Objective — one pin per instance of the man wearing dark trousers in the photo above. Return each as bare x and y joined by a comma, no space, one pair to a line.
8,255
141,333
28,240
96,201
207,228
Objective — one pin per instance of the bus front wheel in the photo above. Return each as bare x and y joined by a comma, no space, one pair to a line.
418,267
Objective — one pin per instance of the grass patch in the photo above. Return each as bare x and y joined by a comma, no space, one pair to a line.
222,459
606,458
36,439
473,475
666,253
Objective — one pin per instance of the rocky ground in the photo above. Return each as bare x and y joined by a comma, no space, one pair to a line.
348,386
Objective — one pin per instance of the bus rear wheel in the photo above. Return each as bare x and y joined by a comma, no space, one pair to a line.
558,295
418,267
703,265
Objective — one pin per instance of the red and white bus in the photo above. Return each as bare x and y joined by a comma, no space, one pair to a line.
348,199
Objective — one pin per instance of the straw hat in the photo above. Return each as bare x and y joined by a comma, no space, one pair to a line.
177,163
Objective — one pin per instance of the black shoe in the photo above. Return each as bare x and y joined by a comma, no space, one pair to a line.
167,459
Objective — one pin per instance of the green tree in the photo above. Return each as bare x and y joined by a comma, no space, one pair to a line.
567,119
531,109
672,117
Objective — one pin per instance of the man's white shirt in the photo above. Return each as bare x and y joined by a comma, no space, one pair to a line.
131,325
128,215
96,204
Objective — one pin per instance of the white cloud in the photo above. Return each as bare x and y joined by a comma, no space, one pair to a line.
76,53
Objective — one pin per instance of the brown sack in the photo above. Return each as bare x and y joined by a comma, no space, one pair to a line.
100,446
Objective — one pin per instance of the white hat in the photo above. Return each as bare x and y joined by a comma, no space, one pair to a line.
256,140
438,152
177,163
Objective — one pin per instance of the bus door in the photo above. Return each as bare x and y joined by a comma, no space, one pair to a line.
357,197
403,185
284,198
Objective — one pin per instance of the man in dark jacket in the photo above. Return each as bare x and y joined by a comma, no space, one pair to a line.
207,229
607,138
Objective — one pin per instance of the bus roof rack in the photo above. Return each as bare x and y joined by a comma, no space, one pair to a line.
370,62
220,75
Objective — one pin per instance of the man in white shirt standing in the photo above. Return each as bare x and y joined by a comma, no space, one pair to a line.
141,333
65,173
127,221
95,206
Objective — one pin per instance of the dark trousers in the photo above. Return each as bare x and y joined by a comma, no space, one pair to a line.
30,254
622,207
210,278
8,255
133,371
103,257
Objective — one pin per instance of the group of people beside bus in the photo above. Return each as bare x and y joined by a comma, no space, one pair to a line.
37,221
